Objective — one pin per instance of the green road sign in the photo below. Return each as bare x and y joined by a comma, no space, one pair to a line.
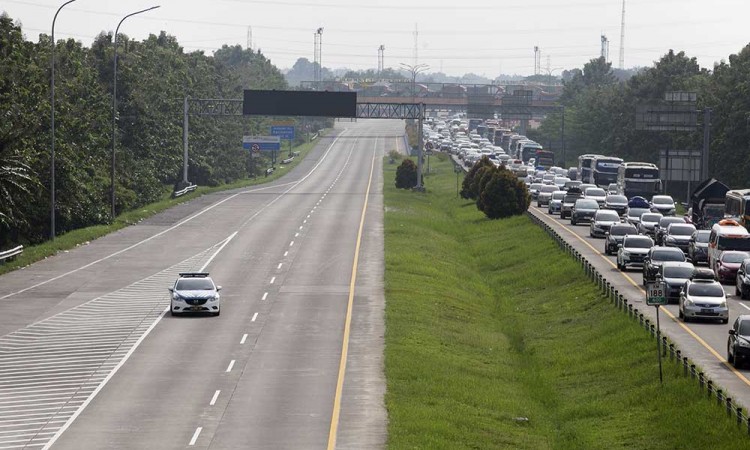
656,293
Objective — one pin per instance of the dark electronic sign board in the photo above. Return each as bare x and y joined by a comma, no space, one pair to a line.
299,103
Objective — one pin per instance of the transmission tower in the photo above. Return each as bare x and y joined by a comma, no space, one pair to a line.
416,45
381,59
605,48
537,60
249,38
622,37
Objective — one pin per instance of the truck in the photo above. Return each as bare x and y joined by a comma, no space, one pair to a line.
707,203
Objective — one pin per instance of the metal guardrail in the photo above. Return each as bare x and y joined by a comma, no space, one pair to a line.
182,192
9,254
668,348
314,136
288,160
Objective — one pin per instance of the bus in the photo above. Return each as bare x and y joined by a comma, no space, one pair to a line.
512,149
544,158
585,165
604,170
638,178
728,234
737,206
527,150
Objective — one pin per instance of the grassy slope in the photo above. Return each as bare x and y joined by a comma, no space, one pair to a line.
488,321
74,238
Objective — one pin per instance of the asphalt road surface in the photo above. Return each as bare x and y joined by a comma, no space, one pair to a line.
705,342
90,359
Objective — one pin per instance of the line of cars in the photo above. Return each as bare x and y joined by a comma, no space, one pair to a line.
666,248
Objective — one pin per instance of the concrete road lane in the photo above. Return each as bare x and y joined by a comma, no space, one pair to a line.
265,373
703,342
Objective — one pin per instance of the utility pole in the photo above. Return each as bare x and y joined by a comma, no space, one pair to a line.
622,38
381,59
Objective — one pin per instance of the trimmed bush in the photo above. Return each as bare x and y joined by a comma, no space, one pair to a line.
406,174
504,195
468,188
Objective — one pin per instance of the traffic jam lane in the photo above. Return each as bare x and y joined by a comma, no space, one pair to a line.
703,342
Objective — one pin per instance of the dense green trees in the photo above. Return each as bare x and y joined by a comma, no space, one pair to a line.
153,78
600,113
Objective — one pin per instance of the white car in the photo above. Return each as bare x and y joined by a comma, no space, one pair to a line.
703,299
632,251
195,292
603,221
663,204
597,194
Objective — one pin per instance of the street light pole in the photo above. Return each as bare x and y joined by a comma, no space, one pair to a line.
52,120
114,107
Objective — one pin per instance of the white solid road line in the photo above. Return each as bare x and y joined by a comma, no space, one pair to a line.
291,244
213,399
195,436
744,305
255,316
244,338
229,367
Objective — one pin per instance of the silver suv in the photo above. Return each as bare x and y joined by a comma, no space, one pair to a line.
632,251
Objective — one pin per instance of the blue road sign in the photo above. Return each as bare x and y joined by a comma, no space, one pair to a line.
261,143
283,131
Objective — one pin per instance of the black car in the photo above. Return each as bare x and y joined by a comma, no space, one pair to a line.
569,200
660,229
698,246
738,344
674,274
742,281
583,210
654,259
614,237
678,235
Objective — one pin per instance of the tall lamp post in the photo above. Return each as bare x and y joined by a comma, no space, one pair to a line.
114,107
414,70
52,103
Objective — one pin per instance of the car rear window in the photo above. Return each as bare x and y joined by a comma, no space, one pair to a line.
639,243
668,255
678,272
617,199
548,188
732,257
607,215
596,192
586,203
744,328
622,231
706,290
702,237
651,217
681,230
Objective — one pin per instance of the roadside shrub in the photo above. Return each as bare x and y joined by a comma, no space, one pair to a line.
504,195
394,156
482,177
406,174
468,188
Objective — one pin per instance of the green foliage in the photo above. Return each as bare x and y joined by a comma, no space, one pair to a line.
406,174
153,78
470,189
504,195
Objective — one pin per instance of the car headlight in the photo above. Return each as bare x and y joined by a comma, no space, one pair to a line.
211,299
671,211
625,254
743,343
176,297
723,304
689,302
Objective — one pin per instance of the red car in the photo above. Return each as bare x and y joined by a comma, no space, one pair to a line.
728,264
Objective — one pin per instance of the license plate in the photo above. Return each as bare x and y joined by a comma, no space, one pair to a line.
707,310
196,308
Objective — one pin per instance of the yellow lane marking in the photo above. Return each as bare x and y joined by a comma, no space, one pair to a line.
347,324
700,340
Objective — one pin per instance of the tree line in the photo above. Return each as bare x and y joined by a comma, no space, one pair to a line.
600,113
153,77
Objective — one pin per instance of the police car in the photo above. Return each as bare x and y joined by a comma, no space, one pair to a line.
195,292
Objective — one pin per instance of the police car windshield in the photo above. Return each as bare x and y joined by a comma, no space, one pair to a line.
194,284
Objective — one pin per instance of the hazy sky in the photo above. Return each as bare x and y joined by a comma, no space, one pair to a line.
481,36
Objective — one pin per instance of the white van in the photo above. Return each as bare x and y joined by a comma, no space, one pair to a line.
728,234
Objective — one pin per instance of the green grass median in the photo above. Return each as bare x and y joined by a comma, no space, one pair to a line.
496,339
